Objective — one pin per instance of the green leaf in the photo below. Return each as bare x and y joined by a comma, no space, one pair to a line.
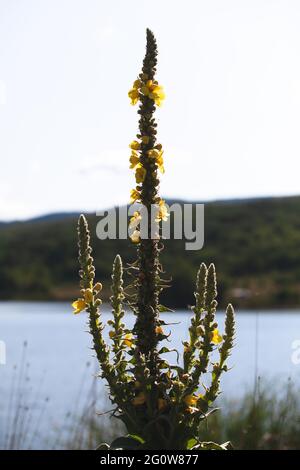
129,442
137,438
213,446
163,308
227,445
179,369
167,350
103,446
191,443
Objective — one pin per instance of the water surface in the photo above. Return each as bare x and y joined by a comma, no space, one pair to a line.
54,362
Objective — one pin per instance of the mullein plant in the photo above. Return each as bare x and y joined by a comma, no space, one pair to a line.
162,405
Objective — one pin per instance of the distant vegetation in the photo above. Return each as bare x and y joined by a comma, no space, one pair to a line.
255,245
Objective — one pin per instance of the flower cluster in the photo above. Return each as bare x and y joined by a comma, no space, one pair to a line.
156,154
153,155
145,87
146,154
87,297
174,397
158,401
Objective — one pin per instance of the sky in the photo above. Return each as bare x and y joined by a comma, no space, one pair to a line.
229,125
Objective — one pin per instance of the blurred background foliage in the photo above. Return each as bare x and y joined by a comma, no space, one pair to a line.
253,243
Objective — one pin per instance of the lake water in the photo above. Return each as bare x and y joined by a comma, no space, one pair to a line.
56,378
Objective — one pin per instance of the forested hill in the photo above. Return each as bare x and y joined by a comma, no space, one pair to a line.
255,245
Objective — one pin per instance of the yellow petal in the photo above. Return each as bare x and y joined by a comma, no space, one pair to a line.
134,160
78,305
133,95
136,236
135,220
216,337
88,296
137,84
153,153
140,174
145,139
128,340
134,196
135,145
149,84
162,213
190,400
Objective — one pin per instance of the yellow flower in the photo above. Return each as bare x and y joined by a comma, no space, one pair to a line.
78,305
190,400
151,88
157,154
134,196
140,399
140,174
145,139
137,84
135,145
128,340
88,296
134,92
160,163
111,334
147,88
134,95
134,159
135,220
216,337
153,153
158,95
159,330
136,236
162,404
154,91
162,213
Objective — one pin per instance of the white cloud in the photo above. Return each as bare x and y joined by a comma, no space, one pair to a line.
229,126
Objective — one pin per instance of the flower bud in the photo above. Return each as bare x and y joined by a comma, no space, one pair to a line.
98,287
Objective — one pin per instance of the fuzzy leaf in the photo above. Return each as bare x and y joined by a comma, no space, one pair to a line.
137,438
103,446
163,308
167,350
191,443
129,442
213,446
